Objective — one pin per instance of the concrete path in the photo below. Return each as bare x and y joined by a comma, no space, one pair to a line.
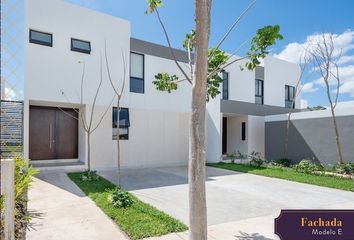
240,206
63,212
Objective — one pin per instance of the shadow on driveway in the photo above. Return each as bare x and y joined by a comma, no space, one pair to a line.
135,179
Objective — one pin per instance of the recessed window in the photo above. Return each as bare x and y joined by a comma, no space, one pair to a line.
136,73
289,96
243,131
259,92
41,38
225,85
124,123
80,46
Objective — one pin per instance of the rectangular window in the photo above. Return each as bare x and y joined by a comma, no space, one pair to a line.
259,90
41,38
289,96
243,131
124,123
225,85
136,73
80,46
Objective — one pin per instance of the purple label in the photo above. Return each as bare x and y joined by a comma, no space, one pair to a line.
315,225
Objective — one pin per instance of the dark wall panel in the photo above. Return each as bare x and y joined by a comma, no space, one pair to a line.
310,138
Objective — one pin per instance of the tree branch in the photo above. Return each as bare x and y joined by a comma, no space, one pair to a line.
170,46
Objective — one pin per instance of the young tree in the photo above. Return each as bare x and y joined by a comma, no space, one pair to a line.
119,93
88,125
205,64
304,61
325,62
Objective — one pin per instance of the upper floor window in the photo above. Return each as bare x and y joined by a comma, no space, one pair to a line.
41,38
289,96
225,85
80,46
136,73
124,123
259,92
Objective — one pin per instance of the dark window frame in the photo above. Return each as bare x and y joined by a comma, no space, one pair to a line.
116,123
262,93
243,131
136,78
225,92
75,49
39,42
288,99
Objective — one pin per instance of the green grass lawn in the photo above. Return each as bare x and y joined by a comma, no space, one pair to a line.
138,221
289,174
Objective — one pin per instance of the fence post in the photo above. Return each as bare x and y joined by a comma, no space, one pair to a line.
8,190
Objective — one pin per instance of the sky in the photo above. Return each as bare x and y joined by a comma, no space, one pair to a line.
301,21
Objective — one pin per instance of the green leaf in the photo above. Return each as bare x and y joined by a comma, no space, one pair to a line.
190,39
216,59
264,38
152,5
165,82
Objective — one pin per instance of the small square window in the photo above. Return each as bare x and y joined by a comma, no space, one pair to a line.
80,46
41,38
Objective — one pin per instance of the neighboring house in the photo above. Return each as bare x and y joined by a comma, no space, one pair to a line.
154,125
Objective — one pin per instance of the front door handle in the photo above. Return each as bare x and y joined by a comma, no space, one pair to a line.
50,136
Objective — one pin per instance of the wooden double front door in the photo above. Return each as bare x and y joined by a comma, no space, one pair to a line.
53,133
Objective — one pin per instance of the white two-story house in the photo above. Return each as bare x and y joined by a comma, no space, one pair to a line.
62,38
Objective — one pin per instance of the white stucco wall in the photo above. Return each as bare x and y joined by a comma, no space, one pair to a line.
241,83
277,74
234,134
213,130
256,134
158,135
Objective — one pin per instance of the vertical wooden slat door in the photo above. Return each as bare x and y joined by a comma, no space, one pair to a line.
53,133
66,134
41,130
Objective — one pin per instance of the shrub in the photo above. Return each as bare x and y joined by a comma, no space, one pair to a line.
120,198
347,168
89,176
283,162
306,166
232,156
23,174
256,159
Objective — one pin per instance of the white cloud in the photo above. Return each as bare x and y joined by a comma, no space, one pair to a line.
346,59
9,94
343,46
347,87
293,52
309,87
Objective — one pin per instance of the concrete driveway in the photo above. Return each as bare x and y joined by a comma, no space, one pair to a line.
240,206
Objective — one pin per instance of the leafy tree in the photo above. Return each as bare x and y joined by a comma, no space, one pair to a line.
205,65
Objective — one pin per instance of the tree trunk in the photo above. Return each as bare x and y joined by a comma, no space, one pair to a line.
118,144
339,149
196,170
88,152
286,143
